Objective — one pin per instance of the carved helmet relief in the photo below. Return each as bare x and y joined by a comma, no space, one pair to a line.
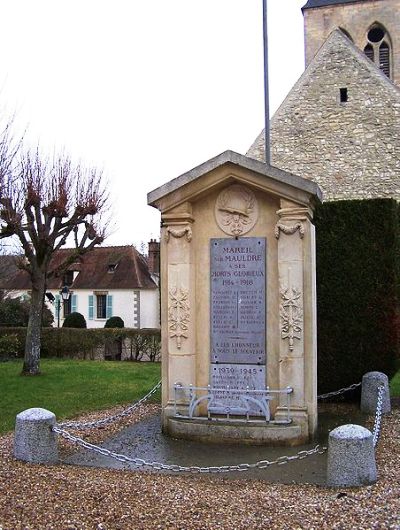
236,210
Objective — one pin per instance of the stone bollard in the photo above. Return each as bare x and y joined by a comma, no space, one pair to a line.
369,392
351,457
34,441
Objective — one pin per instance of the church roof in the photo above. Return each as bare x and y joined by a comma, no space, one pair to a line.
323,3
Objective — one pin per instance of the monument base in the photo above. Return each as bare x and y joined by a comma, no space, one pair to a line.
235,432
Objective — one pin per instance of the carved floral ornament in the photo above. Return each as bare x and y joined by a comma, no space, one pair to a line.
186,231
236,210
291,314
289,230
178,314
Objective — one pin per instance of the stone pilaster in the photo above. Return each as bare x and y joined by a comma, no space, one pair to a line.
178,303
297,350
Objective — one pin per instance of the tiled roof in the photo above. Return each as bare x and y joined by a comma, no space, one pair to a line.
103,268
323,3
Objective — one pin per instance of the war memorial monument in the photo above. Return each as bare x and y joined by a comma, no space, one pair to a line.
238,303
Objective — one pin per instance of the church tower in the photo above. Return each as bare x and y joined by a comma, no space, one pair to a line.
372,25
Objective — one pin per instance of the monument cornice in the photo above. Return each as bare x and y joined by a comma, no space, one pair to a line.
176,218
278,178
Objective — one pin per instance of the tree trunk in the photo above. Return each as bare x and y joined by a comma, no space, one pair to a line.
34,329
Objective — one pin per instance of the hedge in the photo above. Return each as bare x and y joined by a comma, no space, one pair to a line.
86,343
357,290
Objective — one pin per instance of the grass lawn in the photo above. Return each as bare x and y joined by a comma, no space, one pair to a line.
69,388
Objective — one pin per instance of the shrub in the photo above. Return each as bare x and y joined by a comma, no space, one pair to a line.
91,343
114,322
74,320
357,290
15,312
154,347
145,343
9,347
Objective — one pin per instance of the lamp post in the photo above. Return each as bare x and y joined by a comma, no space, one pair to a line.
65,294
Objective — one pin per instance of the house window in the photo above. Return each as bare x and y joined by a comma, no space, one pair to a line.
101,303
100,306
67,307
378,48
68,278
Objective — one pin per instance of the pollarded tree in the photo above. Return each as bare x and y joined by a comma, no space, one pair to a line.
43,205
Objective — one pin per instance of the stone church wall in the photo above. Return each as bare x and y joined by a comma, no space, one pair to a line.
356,19
351,149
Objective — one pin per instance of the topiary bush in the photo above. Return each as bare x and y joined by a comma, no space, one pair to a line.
114,322
358,262
74,320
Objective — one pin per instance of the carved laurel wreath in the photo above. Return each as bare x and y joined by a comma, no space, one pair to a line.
236,210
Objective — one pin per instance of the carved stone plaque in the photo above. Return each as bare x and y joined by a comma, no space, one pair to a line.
238,279
236,376
236,210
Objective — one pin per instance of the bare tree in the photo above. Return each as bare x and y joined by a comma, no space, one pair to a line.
45,204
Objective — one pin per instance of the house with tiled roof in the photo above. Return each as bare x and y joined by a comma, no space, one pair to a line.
108,281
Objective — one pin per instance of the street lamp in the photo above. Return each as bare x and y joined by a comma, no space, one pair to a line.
65,294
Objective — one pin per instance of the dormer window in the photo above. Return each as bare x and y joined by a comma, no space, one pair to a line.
68,278
112,267
378,48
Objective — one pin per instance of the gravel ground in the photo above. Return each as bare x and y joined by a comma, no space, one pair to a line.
68,497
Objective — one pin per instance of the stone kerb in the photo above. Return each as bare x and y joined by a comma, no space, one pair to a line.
351,457
35,441
371,382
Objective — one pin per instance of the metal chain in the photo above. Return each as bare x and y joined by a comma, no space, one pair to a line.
338,392
110,419
99,423
378,416
139,462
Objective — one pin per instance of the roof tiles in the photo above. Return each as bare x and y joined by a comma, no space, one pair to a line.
120,267
322,3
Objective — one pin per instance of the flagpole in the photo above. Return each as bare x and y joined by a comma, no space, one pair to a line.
266,86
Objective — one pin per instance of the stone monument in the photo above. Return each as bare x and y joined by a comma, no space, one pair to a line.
238,303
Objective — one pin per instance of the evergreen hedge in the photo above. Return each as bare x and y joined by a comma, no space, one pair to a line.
358,276
75,343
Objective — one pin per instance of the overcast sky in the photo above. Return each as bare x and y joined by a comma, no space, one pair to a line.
146,89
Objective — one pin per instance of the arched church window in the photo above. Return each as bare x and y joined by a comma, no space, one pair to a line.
369,51
384,58
378,48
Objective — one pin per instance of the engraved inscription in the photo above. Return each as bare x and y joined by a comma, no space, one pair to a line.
238,300
237,376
